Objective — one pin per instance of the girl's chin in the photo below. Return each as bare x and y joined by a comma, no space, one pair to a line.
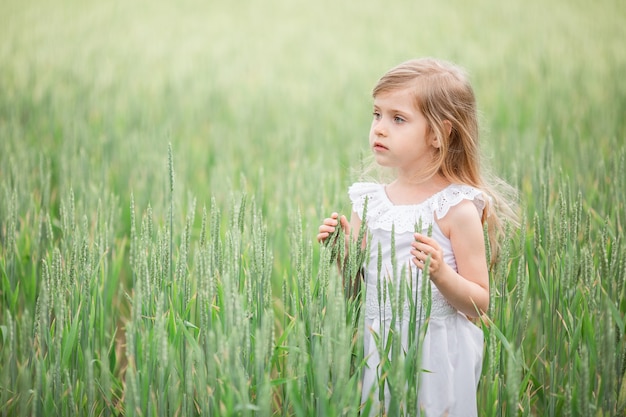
382,161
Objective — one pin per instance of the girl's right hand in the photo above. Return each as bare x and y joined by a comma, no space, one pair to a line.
330,224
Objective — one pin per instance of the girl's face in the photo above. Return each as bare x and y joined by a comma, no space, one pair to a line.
399,136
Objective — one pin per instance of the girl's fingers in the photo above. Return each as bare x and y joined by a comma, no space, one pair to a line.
332,220
345,224
327,227
426,244
324,233
423,248
424,239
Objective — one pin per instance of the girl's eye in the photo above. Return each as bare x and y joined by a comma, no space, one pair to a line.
376,115
398,119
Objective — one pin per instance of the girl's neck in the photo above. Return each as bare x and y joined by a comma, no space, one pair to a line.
409,190
436,180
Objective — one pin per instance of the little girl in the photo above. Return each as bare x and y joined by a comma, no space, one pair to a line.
425,129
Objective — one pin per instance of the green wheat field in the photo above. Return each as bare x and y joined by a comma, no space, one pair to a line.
164,167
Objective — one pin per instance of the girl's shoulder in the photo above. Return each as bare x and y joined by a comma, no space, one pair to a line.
364,189
368,198
453,195
366,194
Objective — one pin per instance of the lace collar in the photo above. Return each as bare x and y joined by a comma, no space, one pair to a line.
383,214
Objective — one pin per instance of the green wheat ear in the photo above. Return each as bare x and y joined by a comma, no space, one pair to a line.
418,226
333,236
331,243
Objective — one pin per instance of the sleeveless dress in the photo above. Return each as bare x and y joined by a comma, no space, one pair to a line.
452,349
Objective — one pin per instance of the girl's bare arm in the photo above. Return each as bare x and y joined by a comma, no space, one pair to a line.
468,289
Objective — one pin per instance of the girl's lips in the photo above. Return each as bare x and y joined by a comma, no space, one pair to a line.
379,147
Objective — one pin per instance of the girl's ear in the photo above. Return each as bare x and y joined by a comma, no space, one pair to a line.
447,130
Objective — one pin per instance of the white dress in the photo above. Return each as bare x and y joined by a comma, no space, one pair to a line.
452,349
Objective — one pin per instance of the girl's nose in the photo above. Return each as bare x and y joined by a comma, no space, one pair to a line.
379,129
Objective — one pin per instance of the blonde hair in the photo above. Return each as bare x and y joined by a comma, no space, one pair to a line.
445,97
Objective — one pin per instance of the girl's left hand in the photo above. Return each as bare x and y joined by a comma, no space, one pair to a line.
422,248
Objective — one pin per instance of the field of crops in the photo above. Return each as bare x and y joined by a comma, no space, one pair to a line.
164,167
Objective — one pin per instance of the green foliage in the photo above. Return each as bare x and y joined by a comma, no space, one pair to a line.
164,168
